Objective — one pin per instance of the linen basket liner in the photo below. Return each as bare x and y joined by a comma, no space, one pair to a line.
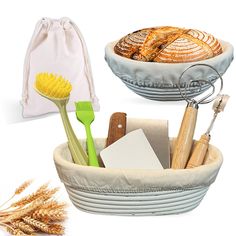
168,78
109,180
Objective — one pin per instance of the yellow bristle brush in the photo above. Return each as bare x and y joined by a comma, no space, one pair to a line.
57,89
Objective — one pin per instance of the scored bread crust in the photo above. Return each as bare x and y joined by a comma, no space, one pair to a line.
168,45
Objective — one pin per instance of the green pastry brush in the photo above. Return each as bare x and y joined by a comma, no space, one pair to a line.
85,114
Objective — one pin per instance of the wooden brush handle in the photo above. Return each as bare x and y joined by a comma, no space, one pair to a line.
199,152
117,127
185,138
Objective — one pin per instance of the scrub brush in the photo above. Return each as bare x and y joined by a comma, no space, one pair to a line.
57,89
85,114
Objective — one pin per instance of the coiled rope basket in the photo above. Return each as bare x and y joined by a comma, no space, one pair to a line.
135,192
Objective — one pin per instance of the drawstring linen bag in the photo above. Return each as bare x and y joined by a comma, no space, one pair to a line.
57,47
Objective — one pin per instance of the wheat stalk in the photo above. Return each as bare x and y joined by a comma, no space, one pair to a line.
22,187
50,193
47,215
36,212
42,192
23,227
7,227
28,199
50,229
27,210
56,229
53,205
18,191
36,224
13,231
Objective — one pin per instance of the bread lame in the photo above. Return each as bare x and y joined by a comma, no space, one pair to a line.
117,127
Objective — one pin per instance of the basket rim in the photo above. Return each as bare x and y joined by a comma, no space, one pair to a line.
57,154
105,179
227,49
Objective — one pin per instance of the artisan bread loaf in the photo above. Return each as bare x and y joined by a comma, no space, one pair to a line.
168,45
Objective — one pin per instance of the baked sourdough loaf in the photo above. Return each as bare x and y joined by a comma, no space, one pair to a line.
168,45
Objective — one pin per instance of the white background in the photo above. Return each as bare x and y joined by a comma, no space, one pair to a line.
27,146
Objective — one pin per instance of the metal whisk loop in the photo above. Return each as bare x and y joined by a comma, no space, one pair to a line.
200,101
198,83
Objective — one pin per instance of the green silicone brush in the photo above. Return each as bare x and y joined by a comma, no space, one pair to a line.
85,114
57,89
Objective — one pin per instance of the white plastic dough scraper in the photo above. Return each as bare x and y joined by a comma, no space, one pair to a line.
132,151
156,132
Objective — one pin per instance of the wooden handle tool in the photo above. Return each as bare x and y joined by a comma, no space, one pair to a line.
185,137
200,149
117,127
199,152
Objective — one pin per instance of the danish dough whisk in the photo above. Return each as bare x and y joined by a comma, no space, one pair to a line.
200,150
184,140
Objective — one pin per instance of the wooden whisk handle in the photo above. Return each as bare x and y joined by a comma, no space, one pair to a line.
185,138
199,152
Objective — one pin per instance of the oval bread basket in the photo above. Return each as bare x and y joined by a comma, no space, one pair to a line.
135,192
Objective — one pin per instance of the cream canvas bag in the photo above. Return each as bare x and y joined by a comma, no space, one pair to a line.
57,46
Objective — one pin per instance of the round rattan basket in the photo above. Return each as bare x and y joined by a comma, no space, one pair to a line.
159,81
